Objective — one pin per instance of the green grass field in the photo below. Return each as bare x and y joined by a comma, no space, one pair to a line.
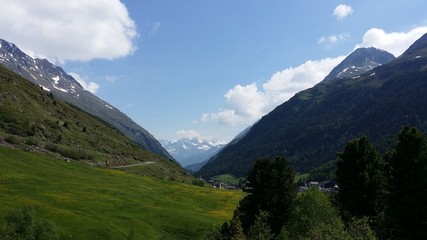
93,203
227,178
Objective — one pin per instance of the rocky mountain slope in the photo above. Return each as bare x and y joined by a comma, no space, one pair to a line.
315,124
55,80
359,62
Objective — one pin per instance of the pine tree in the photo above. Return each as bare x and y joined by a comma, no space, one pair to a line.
260,229
361,178
408,185
271,188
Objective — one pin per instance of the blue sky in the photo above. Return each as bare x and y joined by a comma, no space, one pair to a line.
205,68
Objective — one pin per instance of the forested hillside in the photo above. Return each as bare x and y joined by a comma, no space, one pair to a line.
315,124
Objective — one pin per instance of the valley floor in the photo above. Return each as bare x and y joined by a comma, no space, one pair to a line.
93,203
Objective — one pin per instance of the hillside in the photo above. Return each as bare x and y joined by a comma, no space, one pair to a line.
35,120
55,80
311,127
94,203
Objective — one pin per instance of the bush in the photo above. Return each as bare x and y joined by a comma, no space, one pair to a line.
76,154
12,139
32,142
198,182
21,224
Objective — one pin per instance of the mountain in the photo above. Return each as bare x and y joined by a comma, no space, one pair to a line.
189,151
359,62
35,120
55,80
311,127
195,167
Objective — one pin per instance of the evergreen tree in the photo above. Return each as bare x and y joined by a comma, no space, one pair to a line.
236,230
361,178
271,188
260,229
408,185
228,231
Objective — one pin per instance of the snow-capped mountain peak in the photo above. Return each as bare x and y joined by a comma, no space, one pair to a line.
192,150
358,62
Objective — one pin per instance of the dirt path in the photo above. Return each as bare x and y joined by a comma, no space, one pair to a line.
134,165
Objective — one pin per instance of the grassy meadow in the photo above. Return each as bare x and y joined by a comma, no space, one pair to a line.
94,203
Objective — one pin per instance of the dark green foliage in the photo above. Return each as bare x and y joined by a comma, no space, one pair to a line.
228,231
324,172
361,178
408,185
359,229
270,187
314,217
21,224
260,229
76,154
32,141
198,182
13,139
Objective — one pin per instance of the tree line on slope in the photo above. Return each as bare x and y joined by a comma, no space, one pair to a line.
380,197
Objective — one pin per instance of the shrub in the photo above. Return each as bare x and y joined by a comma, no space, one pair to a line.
12,139
32,142
21,224
198,182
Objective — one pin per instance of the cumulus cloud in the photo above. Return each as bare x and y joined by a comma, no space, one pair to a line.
393,42
187,133
77,30
88,86
246,104
342,11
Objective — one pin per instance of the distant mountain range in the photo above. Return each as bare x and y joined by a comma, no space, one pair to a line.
55,80
384,94
188,151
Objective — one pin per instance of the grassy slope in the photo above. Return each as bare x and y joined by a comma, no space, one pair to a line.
93,203
32,115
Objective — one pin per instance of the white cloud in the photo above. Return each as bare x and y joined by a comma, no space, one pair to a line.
333,39
155,27
111,78
393,42
88,86
246,104
78,30
342,11
188,134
